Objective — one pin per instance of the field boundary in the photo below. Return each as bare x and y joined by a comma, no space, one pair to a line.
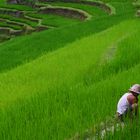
104,6
66,11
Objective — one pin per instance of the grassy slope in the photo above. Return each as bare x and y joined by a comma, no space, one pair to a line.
52,79
54,20
61,86
28,47
79,48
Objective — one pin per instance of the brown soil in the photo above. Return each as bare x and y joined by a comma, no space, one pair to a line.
16,33
64,12
4,30
41,28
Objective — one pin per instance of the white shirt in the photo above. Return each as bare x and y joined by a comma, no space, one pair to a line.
123,104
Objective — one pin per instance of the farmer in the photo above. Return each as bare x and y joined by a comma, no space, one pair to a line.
128,103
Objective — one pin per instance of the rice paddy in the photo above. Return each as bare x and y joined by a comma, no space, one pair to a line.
61,77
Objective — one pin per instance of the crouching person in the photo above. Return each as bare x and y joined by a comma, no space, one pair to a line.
128,104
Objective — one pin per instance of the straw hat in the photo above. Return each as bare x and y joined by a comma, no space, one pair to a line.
135,88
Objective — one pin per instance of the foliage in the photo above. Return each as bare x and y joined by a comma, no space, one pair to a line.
72,86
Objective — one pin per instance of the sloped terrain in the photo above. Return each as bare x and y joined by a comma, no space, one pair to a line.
58,83
31,21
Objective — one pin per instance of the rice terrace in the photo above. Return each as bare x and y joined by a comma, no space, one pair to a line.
64,64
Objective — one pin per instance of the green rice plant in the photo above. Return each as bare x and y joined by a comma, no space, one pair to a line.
21,20
62,36
122,7
47,98
4,24
130,132
120,61
17,7
2,2
54,20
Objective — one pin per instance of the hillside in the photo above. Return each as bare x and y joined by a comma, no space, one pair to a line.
57,82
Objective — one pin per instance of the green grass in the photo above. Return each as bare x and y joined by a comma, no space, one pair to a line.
54,20
74,82
59,21
4,24
55,82
3,4
127,6
28,47
20,20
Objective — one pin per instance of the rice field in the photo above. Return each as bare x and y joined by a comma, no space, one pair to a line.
64,82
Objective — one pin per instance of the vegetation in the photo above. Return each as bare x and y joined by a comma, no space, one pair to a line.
24,21
62,81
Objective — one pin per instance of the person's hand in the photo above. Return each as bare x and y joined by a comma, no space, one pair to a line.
134,106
